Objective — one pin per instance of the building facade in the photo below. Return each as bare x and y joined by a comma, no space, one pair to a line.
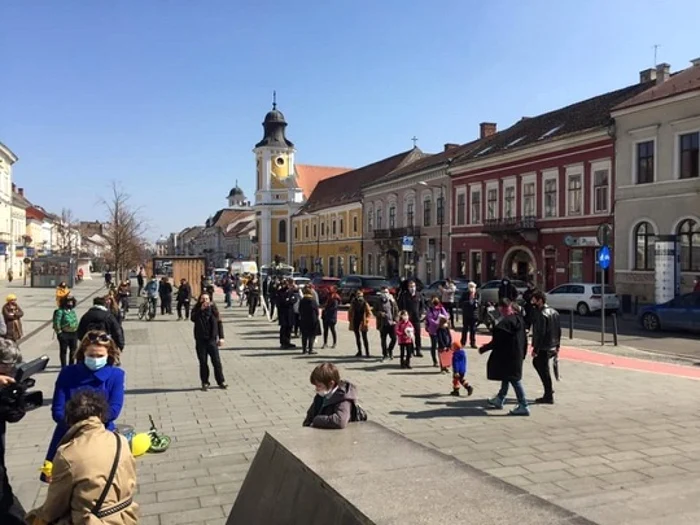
7,159
658,179
328,231
20,239
530,200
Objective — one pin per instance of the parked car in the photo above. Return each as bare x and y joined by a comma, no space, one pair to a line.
433,290
583,298
680,313
368,284
323,286
488,292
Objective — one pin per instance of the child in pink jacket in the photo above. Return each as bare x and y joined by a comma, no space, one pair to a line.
405,333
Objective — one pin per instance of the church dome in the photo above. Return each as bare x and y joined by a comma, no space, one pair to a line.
236,192
274,125
274,117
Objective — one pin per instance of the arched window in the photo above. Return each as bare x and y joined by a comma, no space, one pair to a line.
392,216
282,231
689,240
644,240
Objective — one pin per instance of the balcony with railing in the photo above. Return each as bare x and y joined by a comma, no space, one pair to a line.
396,233
522,226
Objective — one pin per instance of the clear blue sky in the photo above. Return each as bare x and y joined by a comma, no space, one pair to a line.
168,96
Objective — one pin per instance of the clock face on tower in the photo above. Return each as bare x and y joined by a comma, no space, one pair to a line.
280,166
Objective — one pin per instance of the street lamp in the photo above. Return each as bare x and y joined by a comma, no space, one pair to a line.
441,221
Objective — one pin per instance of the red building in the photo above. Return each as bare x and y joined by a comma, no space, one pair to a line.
529,200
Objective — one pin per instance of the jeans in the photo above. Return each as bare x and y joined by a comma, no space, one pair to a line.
416,326
387,331
433,348
307,342
186,305
252,304
152,305
365,341
227,299
166,305
519,391
469,327
272,309
67,344
285,335
541,364
209,350
406,353
329,326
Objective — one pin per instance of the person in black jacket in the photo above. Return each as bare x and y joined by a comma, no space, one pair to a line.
546,339
165,290
253,295
100,318
413,303
507,290
184,295
11,411
527,304
505,363
308,321
469,303
287,296
329,316
208,337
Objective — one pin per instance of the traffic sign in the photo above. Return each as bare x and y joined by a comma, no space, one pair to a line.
604,257
407,243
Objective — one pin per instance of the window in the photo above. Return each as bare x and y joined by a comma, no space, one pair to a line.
492,203
509,202
369,221
645,162
296,231
353,264
370,264
409,214
315,231
601,189
529,199
476,207
689,242
576,265
427,211
476,267
550,197
282,231
379,219
575,194
441,210
431,249
306,231
644,240
690,155
461,264
491,260
550,132
461,208
342,226
334,227
392,216
331,266
341,269
354,226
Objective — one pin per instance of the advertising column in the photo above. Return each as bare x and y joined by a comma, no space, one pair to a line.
667,269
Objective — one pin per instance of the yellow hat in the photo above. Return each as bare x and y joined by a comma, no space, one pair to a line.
140,444
11,297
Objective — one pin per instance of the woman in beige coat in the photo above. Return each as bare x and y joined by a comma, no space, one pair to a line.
82,469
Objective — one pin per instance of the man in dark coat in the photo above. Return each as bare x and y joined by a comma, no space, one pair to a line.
208,336
287,296
413,303
527,304
100,318
184,295
505,363
546,339
165,291
507,290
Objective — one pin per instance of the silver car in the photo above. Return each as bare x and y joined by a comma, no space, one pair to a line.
489,291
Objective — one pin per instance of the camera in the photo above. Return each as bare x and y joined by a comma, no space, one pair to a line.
17,394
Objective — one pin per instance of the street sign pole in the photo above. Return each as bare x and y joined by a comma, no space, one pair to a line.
602,307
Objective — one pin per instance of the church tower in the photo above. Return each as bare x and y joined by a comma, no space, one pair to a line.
277,194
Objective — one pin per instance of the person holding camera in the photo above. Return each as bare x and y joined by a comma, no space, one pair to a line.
11,411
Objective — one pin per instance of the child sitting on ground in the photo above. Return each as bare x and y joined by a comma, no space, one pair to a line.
335,403
459,370
444,344
405,334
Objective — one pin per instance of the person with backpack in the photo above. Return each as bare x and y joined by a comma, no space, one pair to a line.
335,403
100,318
65,324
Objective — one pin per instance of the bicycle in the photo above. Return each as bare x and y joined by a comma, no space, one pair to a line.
147,309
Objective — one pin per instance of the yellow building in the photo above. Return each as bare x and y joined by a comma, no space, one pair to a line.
328,230
282,188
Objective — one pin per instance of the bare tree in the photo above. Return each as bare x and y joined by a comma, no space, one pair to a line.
66,233
124,232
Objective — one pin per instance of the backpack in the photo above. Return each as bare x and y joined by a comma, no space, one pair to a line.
357,413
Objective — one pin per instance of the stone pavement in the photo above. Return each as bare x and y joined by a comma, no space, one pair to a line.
620,446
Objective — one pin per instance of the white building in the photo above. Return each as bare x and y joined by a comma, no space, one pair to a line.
7,159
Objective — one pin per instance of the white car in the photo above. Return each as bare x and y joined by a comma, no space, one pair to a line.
582,298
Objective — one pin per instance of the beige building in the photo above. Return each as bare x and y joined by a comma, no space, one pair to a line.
657,179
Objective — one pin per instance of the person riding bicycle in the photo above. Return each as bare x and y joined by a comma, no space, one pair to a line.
123,294
151,291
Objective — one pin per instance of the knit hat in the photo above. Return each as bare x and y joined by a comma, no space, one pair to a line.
10,298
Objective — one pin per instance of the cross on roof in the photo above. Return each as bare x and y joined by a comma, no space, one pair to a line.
414,139
274,100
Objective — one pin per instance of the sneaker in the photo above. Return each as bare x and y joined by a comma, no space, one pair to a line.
418,354
520,410
473,345
205,387
495,402
470,390
333,345
313,352
223,386
358,354
383,358
391,357
409,367
249,316
455,392
323,346
544,400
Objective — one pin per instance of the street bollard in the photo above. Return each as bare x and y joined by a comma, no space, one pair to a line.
614,320
571,324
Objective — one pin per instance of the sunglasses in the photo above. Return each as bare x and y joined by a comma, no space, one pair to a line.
95,337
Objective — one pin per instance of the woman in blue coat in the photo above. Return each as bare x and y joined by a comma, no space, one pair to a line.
96,368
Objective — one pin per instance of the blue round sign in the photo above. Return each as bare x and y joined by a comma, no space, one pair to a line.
604,257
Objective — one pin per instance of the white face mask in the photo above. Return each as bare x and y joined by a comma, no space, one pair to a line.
412,289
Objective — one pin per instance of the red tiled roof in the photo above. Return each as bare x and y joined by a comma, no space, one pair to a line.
309,176
35,213
347,187
680,82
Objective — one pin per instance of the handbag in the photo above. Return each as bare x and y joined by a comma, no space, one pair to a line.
97,510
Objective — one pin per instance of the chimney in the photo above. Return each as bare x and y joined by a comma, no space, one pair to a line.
695,62
20,191
450,146
647,75
14,188
663,72
486,129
